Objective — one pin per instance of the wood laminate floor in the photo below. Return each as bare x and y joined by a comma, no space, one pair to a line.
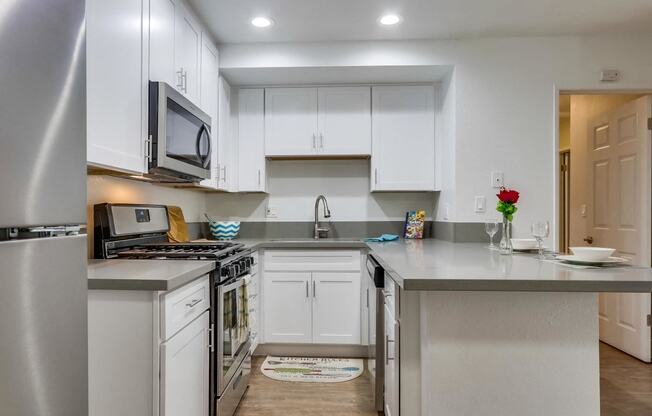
625,390
267,397
625,384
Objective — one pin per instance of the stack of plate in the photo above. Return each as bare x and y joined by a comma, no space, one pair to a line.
592,256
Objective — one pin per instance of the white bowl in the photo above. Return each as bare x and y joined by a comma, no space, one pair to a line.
524,243
592,253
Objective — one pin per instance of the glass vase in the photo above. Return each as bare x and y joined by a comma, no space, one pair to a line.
506,238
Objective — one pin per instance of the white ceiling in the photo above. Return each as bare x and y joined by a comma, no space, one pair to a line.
334,20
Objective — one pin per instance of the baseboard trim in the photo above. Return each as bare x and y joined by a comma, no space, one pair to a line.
313,350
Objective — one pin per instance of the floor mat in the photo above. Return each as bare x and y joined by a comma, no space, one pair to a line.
311,369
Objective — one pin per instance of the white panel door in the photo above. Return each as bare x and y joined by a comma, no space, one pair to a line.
187,52
208,95
116,84
344,121
287,307
185,370
336,308
291,121
161,41
403,138
619,214
251,140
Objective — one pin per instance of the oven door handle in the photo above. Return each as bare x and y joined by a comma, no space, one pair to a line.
231,286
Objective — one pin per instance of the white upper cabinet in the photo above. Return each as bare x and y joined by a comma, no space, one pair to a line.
403,143
187,52
344,121
209,101
116,84
290,121
328,121
251,140
225,137
161,41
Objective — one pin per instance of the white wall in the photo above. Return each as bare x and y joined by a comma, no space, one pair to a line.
504,101
294,185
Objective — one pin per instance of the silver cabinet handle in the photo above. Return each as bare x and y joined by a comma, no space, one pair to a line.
376,176
211,345
193,303
321,140
184,78
314,289
367,298
258,177
314,142
307,294
180,78
387,341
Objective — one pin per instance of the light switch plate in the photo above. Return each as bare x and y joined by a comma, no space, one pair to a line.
480,204
497,179
583,210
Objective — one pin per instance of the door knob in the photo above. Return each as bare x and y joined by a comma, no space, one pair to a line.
589,239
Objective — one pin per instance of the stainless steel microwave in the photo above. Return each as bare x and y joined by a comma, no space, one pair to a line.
179,146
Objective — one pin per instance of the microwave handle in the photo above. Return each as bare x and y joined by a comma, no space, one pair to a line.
204,159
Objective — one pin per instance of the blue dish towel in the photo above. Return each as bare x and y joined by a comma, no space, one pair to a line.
384,237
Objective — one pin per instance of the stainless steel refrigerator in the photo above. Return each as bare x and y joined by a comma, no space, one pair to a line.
43,323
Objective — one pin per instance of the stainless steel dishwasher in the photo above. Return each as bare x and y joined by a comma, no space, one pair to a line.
376,363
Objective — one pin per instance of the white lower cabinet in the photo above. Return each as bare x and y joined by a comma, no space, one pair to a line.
392,358
185,370
287,307
336,308
318,307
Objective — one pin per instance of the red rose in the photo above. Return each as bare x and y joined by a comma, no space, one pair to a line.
508,196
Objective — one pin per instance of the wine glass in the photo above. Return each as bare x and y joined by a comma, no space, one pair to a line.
491,228
540,230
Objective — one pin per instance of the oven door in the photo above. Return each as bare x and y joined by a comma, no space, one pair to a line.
180,133
233,331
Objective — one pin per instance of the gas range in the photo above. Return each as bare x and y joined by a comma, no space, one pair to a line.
130,231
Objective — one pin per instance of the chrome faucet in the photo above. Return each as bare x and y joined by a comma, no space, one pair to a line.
327,214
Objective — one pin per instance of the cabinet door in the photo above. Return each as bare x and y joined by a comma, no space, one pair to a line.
184,370
209,102
116,84
391,364
336,308
403,125
161,41
344,121
187,51
287,307
290,121
225,171
251,140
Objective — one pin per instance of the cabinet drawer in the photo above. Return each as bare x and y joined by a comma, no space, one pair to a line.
180,307
312,260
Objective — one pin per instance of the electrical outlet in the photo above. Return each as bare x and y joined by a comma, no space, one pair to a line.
497,179
480,204
447,209
270,212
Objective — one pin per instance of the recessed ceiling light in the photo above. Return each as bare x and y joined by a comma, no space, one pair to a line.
389,19
261,21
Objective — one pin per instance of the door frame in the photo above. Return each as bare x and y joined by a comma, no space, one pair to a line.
557,91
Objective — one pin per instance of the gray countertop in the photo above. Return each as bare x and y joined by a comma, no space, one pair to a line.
144,274
429,264
443,266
